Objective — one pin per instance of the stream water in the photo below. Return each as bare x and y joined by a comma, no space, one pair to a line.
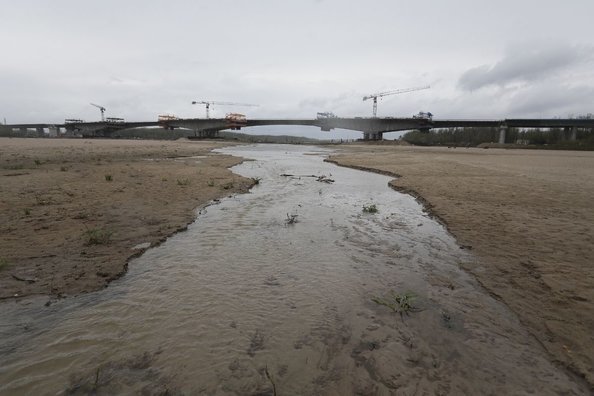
245,303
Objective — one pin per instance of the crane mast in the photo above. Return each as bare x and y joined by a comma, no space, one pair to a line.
393,92
102,109
208,103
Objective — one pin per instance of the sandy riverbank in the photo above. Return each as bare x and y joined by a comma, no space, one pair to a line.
528,218
73,211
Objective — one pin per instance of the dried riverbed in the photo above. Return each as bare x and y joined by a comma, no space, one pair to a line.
244,303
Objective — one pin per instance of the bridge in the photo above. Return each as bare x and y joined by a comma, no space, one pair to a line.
372,128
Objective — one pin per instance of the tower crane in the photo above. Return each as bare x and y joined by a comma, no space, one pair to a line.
209,103
382,94
102,109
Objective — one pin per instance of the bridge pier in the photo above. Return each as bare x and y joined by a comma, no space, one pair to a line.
502,131
206,133
568,133
373,135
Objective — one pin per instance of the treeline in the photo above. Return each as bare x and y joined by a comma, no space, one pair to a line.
468,137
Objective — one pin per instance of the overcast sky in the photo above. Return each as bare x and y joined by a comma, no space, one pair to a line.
482,58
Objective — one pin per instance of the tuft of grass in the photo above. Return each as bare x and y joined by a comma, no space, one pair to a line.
37,162
227,186
398,303
183,182
3,264
108,178
63,169
291,219
97,236
256,180
370,208
27,211
210,183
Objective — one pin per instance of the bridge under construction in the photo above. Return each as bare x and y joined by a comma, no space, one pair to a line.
372,128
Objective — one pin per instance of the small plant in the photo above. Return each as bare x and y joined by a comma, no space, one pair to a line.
398,303
370,208
256,180
228,186
108,178
291,219
63,169
97,236
37,162
210,183
3,264
183,182
27,211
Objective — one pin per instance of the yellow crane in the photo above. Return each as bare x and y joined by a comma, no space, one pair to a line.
209,103
396,91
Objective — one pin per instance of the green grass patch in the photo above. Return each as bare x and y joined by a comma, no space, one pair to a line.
183,182
97,236
108,178
370,208
3,264
398,303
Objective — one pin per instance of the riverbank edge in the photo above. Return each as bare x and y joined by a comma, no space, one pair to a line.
156,238
428,207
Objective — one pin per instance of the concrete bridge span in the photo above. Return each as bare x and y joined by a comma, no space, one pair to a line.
372,128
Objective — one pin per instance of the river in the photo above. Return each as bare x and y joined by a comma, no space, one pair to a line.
248,302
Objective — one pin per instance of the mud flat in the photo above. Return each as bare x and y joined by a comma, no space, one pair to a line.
72,212
527,217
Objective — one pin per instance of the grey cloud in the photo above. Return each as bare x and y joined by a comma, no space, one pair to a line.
552,101
525,63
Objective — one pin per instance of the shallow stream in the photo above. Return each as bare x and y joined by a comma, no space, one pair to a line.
245,303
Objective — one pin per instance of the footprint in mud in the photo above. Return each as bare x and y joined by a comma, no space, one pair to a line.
123,377
302,341
256,343
272,281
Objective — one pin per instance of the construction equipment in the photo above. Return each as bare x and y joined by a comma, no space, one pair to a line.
236,120
102,109
423,116
382,94
325,115
209,103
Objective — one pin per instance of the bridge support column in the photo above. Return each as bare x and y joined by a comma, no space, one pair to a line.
54,131
373,135
377,136
573,134
502,131
206,133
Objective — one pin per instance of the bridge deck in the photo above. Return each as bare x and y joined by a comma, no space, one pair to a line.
366,125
